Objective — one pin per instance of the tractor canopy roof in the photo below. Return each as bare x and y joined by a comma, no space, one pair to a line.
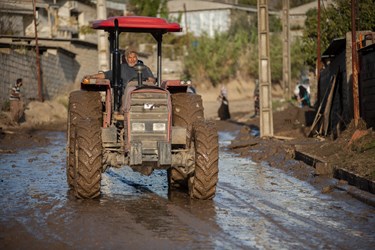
140,24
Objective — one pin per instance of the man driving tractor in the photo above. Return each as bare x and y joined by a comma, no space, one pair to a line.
128,72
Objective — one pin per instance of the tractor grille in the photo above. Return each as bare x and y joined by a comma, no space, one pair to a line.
149,117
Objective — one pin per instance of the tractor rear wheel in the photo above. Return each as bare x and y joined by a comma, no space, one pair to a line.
187,108
202,184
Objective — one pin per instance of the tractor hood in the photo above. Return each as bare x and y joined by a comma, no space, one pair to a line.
140,24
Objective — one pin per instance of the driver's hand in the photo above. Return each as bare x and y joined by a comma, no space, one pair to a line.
86,78
151,80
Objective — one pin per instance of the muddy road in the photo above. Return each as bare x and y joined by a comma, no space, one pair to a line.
256,207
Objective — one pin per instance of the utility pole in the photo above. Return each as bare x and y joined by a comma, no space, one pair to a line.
38,71
355,66
103,54
286,51
266,119
186,27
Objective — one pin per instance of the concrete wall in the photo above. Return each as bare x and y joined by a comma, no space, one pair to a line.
57,71
61,70
86,56
201,16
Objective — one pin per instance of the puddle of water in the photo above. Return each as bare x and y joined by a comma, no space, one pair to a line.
262,206
256,206
225,138
124,181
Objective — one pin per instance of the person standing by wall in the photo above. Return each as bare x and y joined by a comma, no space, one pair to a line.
16,102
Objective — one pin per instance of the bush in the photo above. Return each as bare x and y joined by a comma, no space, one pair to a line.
5,106
212,59
222,57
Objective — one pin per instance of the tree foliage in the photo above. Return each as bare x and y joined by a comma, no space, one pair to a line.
212,59
335,23
149,7
276,4
229,54
297,59
233,53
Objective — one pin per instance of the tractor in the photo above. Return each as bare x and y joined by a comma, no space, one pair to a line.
159,126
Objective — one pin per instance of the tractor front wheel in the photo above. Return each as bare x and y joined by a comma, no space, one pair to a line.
85,107
88,160
202,184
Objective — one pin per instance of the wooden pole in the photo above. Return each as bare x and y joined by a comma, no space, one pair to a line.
186,27
38,71
355,67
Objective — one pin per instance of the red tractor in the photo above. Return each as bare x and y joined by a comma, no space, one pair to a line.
158,127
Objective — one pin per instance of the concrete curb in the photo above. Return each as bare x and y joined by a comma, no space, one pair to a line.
356,186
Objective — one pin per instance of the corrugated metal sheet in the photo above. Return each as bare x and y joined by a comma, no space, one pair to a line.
342,104
340,109
367,84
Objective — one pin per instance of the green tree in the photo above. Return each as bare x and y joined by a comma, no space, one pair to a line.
297,60
335,23
213,59
233,53
149,7
248,2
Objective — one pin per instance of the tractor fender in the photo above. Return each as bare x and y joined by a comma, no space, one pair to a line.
176,86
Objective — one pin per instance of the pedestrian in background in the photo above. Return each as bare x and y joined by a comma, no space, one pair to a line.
302,93
16,102
223,111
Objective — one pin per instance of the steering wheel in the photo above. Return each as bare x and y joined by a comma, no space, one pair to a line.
144,79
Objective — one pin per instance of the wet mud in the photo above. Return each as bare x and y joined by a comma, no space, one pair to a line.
256,206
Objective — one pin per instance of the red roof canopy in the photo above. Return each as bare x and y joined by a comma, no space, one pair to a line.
137,24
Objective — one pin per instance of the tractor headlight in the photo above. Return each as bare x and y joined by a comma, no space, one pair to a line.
158,127
137,126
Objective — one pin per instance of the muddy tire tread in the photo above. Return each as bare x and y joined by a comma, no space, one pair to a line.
202,185
88,168
186,109
82,105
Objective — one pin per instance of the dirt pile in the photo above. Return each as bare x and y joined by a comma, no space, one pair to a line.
43,113
48,115
353,150
38,115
